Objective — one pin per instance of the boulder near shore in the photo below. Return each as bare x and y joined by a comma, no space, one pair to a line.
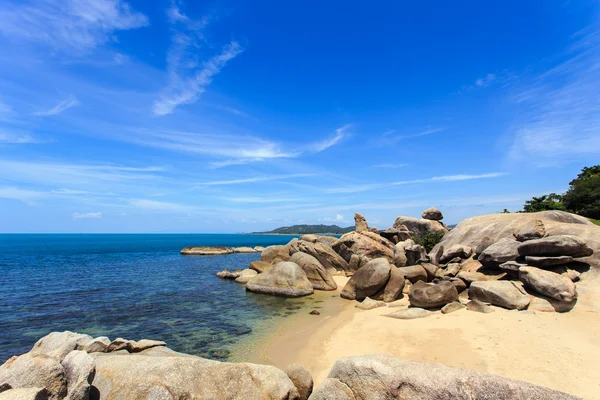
67,365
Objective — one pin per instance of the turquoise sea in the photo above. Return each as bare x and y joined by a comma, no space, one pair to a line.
131,286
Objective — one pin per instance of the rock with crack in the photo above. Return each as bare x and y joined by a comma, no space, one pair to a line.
315,272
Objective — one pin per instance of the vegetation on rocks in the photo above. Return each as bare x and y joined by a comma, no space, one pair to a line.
430,239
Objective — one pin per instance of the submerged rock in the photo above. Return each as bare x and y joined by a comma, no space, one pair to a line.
286,279
206,250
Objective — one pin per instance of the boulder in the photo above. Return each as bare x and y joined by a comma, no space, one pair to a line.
394,286
451,307
360,223
470,277
80,369
117,345
499,293
275,254
326,240
374,377
206,250
511,266
144,344
285,279
414,273
419,227
301,378
332,389
432,214
259,249
545,262
97,345
59,344
364,244
367,280
500,252
451,269
244,250
260,266
326,256
459,284
415,253
409,313
400,259
229,274
478,306
315,272
33,393
433,296
245,276
430,269
560,245
141,377
548,304
369,304
531,229
457,250
482,231
35,371
548,283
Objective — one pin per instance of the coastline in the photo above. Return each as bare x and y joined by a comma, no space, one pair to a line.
513,344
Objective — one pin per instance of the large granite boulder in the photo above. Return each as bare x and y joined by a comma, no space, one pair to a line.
432,214
548,283
500,293
332,389
414,273
367,280
364,244
553,246
326,240
394,286
418,226
246,275
260,266
457,250
379,377
315,272
301,378
485,230
433,295
33,370
532,229
275,254
547,304
360,223
326,256
59,344
80,370
500,252
286,279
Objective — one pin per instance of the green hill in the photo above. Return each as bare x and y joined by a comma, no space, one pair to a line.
303,229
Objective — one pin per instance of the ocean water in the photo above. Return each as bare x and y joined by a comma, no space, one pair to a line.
130,286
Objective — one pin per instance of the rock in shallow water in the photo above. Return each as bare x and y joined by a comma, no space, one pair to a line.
285,279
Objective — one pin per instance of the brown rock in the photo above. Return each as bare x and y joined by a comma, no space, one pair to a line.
548,284
260,266
327,257
414,273
531,229
559,245
476,305
367,280
285,279
433,296
315,272
275,254
451,307
361,223
432,214
394,287
545,262
499,293
500,252
301,378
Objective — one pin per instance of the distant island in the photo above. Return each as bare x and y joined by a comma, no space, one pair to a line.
304,229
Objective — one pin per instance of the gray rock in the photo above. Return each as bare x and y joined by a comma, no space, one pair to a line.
35,371
332,389
545,262
379,377
430,269
285,279
80,369
451,307
409,313
326,256
33,393
394,286
548,283
245,276
559,245
511,266
301,378
547,304
499,293
500,252
315,272
433,296
457,250
360,223
367,280
530,230
369,304
478,306
414,273
433,214
275,254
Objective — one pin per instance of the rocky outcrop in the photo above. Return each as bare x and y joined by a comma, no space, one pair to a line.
301,378
548,283
315,272
499,293
419,227
230,274
245,276
326,240
244,250
367,280
275,254
382,377
532,229
432,295
206,250
326,256
364,244
260,266
285,279
360,223
432,214
500,252
554,246
394,286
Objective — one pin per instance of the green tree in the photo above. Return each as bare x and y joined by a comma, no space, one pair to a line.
583,196
550,201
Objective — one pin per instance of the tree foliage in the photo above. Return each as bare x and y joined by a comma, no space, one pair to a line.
550,201
583,196
430,239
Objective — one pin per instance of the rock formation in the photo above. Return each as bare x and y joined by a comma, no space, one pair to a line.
286,279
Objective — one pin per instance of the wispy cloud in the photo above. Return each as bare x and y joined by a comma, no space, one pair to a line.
77,25
264,199
563,109
156,205
254,179
390,137
89,215
64,105
446,178
340,133
17,138
390,165
25,195
6,111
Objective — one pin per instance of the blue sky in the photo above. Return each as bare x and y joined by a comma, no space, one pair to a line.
235,116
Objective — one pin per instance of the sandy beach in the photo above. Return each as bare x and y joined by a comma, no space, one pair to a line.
559,351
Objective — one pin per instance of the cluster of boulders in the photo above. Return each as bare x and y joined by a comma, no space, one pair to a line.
73,366
219,250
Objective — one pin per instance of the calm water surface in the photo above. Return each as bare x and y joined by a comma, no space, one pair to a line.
131,286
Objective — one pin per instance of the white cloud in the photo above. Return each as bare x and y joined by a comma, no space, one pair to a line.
447,178
17,138
340,133
339,217
485,81
77,25
563,109
159,205
64,105
254,179
27,196
89,215
390,165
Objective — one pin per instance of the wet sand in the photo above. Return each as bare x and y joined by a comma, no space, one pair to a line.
560,351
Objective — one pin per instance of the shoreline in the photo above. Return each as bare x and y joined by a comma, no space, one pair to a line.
558,351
